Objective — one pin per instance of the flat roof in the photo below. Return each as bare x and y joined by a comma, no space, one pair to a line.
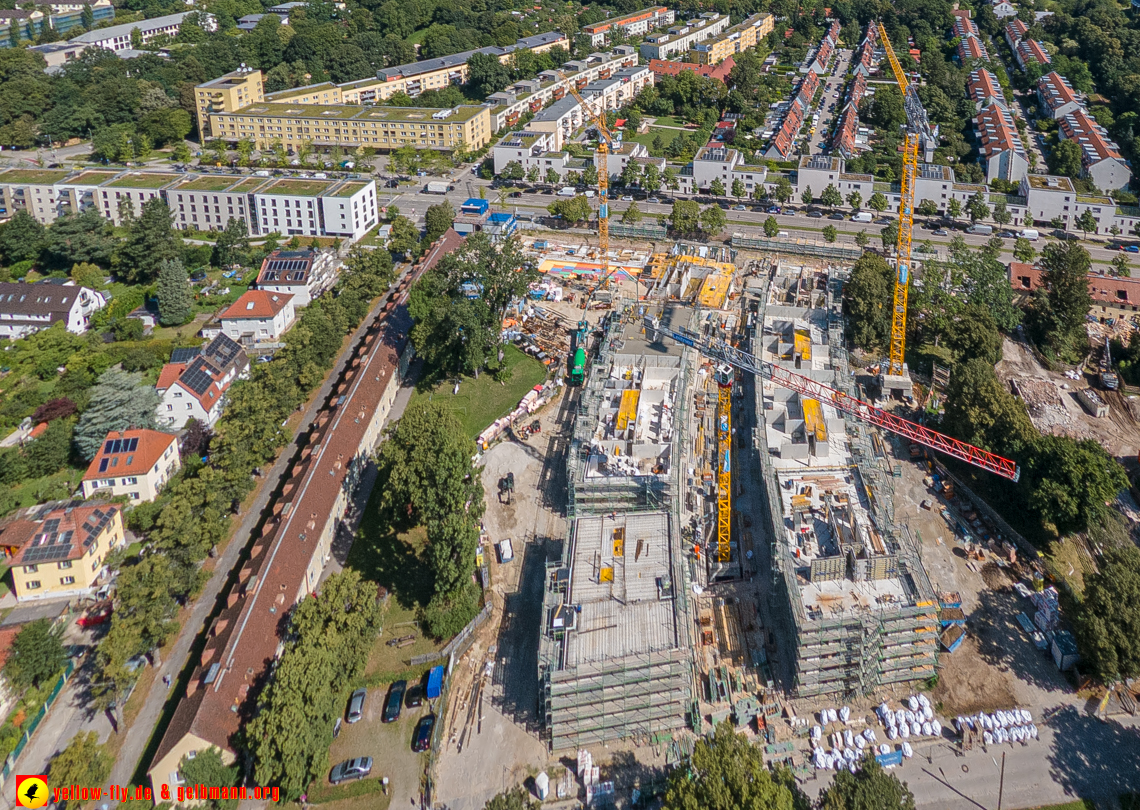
91,177
33,176
144,180
348,189
207,182
124,30
298,188
359,112
1050,181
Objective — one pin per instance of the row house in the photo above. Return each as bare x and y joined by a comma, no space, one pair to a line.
867,60
1030,52
999,144
971,50
983,89
785,139
1056,96
964,26
1101,161
1014,31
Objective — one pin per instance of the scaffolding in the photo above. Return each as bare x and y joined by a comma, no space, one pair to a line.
894,643
797,247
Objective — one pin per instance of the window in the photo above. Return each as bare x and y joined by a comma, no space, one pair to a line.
65,564
31,569
67,580
33,584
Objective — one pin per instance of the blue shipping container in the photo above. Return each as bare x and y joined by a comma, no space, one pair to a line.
435,683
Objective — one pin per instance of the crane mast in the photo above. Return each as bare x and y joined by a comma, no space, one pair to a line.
605,138
918,133
721,352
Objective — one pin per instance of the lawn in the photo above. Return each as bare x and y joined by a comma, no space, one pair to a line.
481,401
668,121
667,136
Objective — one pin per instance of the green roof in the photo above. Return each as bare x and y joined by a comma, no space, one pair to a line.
144,180
1092,200
348,189
93,177
299,188
207,182
33,177
358,112
248,184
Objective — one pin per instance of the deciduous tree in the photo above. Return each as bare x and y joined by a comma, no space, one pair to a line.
83,762
685,217
437,220
713,220
207,768
21,238
869,788
867,301
37,655
831,196
878,202
771,227
1107,620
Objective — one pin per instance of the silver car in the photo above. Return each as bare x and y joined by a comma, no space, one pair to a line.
351,769
356,706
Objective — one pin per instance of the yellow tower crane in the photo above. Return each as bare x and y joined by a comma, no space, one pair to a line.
724,377
605,140
918,132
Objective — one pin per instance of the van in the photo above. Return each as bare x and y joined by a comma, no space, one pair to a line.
980,230
863,216
589,193
567,191
783,235
1030,233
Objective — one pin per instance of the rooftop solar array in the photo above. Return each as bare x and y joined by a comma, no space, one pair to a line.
50,544
198,377
121,445
185,355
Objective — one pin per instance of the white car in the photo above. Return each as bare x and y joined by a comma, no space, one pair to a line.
627,198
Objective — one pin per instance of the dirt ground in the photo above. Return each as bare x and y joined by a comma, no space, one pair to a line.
1056,409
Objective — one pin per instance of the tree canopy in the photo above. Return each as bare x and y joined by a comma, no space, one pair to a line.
37,655
869,788
1107,621
867,300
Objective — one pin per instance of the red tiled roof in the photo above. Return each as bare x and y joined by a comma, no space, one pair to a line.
983,86
70,531
1014,30
964,26
971,48
151,445
720,71
996,131
1055,91
245,636
450,241
169,375
1030,50
1093,139
257,304
1103,289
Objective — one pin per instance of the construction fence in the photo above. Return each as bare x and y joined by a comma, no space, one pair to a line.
34,723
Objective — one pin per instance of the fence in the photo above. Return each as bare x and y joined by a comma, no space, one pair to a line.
1023,545
33,724
458,644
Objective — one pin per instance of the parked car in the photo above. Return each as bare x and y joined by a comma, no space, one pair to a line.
775,209
653,200
627,198
815,214
1007,235
356,706
942,232
351,769
415,696
395,700
837,215
421,739
1130,248
740,208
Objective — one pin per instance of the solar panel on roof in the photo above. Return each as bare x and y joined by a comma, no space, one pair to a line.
196,378
185,355
103,464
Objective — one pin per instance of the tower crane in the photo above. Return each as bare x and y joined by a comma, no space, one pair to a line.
724,353
918,133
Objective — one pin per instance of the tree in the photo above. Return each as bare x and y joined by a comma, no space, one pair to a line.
1071,481
953,208
532,174
575,209
727,772
685,217
631,215
980,409
166,126
437,220
782,190
830,234
486,74
855,200
230,244
1065,159
37,655
806,196
1001,213
1086,222
1058,310
53,409
973,334
513,171
771,227
404,238
88,275
21,238
738,188
867,301
1121,267
1107,620
869,788
629,174
48,453
652,180
976,207
207,768
83,762
831,196
119,400
1023,250
716,187
175,304
713,220
889,235
878,202
551,177
927,208
515,799
180,153
150,241
861,238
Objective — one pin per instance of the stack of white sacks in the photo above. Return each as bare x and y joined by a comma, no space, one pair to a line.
917,720
847,747
1013,725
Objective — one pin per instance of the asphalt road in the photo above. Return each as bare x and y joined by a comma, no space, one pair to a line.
834,84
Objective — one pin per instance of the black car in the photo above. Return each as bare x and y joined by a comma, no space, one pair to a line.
395,700
351,769
415,696
815,214
421,739
837,215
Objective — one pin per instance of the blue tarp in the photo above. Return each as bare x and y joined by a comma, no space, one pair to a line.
435,683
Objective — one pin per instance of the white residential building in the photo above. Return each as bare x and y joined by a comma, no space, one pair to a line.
680,38
258,317
135,463
118,37
27,308
303,274
196,388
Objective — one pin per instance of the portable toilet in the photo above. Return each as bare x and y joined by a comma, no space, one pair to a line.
434,683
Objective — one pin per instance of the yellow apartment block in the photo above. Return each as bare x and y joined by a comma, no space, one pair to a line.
344,125
737,39
233,91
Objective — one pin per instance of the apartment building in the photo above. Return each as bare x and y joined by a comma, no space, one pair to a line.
1003,9
867,61
732,41
817,61
1001,151
681,38
258,317
561,119
352,126
118,37
208,202
1112,296
58,54
31,190
227,93
632,25
1029,52
135,463
724,164
62,18
970,50
963,25
719,71
61,547
26,308
303,274
983,89
1014,32
793,115
1056,96
195,388
1101,161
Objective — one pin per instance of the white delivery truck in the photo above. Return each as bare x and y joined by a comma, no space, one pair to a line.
863,216
980,230
567,191
1030,233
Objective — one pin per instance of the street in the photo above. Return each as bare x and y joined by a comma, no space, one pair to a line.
829,106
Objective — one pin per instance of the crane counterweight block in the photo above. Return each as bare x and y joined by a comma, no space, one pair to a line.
720,351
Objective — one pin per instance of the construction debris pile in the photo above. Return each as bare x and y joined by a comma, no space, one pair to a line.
1042,400
1014,725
